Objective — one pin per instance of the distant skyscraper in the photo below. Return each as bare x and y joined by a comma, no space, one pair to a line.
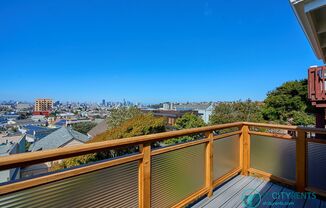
103,102
43,105
57,103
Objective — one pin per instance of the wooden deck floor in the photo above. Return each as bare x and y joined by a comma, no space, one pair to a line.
231,194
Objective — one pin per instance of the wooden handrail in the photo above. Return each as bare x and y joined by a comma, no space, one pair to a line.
286,127
24,159
272,126
271,177
144,157
274,135
320,141
37,181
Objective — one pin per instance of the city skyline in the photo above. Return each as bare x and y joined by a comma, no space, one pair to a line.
100,102
163,51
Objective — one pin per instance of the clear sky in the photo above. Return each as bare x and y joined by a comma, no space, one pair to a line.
149,51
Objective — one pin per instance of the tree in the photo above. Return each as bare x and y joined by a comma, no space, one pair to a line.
120,115
138,125
229,112
187,121
83,127
289,104
74,161
141,124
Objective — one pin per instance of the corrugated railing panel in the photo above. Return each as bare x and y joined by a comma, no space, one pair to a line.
317,165
176,175
226,155
273,155
115,186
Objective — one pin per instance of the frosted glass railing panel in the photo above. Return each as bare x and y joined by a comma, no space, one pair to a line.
317,165
116,186
273,155
176,175
226,155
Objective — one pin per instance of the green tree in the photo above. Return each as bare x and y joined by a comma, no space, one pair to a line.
74,161
83,127
187,121
289,104
120,115
228,112
141,124
138,125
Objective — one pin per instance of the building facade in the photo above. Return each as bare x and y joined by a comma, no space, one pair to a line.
204,110
42,105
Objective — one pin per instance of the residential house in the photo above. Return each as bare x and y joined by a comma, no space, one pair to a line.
11,145
62,137
35,133
170,115
100,128
205,110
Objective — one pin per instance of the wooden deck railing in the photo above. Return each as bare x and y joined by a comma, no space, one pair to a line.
244,130
301,142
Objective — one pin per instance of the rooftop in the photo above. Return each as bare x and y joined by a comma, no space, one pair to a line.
311,15
38,132
100,128
58,138
6,139
5,149
202,106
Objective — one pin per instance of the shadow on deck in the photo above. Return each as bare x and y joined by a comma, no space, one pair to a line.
257,193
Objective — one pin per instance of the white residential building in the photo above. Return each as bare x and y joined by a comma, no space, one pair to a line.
205,110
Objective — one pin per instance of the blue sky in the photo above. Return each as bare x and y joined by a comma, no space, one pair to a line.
149,51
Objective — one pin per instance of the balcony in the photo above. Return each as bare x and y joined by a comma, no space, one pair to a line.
317,86
214,171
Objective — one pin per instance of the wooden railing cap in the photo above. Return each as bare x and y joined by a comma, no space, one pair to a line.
23,159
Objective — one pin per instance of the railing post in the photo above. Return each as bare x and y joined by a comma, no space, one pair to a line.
245,150
209,163
301,152
144,177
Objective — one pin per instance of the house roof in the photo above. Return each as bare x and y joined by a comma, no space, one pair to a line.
58,138
201,106
11,138
61,122
5,149
38,132
311,15
98,129
29,121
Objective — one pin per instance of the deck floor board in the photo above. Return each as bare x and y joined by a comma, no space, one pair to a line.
322,204
261,189
237,198
231,193
312,203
